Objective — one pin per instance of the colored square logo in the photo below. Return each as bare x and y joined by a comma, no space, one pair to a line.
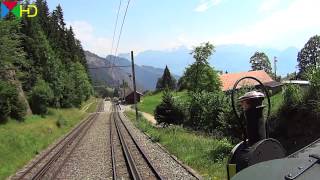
17,9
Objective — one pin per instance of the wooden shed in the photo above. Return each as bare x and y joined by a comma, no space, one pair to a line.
130,97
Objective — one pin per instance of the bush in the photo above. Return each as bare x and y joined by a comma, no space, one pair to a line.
10,104
18,109
40,97
229,124
168,111
61,122
313,93
292,96
220,150
205,110
5,96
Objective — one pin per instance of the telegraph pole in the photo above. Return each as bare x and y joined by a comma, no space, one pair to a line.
275,67
124,89
134,85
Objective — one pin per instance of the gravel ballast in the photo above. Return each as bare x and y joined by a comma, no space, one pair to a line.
164,162
91,158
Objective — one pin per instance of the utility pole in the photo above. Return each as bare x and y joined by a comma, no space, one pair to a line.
275,67
134,85
124,89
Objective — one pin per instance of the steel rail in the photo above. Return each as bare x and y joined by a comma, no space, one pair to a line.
141,151
113,157
127,153
71,135
57,155
195,175
29,169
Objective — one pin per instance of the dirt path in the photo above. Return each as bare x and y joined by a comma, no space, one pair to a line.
148,116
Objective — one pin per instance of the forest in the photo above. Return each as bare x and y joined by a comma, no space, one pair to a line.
42,64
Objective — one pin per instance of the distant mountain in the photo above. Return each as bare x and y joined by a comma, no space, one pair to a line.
176,59
146,76
231,58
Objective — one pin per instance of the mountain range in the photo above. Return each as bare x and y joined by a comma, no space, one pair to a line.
150,64
230,58
146,76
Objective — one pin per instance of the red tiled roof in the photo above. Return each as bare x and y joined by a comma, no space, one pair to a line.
228,80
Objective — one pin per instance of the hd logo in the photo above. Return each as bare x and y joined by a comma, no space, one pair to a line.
17,8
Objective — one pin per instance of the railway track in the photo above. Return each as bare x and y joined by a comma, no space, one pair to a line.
48,165
129,161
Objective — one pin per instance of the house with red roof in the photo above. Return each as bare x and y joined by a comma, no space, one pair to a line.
228,80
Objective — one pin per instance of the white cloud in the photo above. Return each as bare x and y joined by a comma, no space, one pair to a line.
268,5
84,31
206,4
288,27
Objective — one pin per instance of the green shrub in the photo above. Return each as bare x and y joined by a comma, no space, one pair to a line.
10,104
40,97
168,111
220,150
5,96
155,136
313,93
292,96
205,111
229,124
18,109
61,122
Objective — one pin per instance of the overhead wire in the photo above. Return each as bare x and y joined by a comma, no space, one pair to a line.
123,21
115,26
121,30
114,35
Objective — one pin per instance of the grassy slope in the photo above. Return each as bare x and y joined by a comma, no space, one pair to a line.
204,154
149,103
20,142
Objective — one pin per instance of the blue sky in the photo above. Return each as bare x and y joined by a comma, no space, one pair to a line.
167,24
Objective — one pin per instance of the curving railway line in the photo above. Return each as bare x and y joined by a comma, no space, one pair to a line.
129,161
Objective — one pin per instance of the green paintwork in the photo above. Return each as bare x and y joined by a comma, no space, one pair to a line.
277,170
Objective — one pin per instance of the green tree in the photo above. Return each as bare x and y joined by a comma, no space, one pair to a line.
116,92
166,81
43,16
10,44
69,91
5,107
40,97
10,104
309,56
43,59
168,112
292,96
104,91
200,76
82,84
43,48
205,110
260,61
